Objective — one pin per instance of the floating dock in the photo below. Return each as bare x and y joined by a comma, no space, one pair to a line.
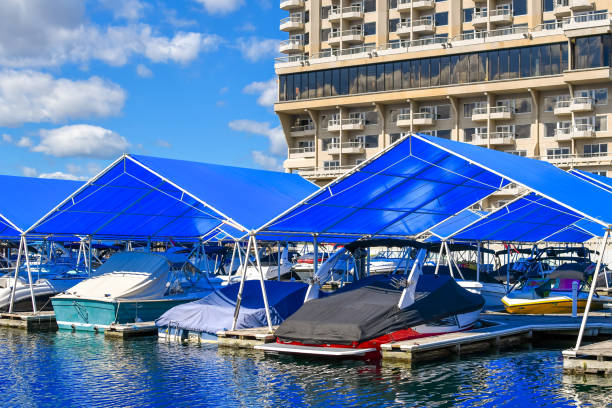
124,331
245,338
41,321
594,358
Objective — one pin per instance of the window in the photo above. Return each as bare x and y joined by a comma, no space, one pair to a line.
393,25
441,19
522,131
392,4
371,117
371,141
331,164
558,153
369,5
519,7
443,111
468,108
369,29
326,143
395,137
522,105
549,129
325,34
468,134
548,5
443,133
522,153
599,173
468,15
601,96
594,150
325,12
601,123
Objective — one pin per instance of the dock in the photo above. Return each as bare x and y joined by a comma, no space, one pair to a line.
130,330
498,331
594,358
245,338
40,321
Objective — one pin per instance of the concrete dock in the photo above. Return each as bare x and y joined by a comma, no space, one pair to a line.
41,321
594,358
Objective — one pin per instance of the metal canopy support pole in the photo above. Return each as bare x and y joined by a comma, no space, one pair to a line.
27,259
89,257
452,262
263,285
508,269
439,257
278,254
16,276
478,256
315,257
231,268
368,260
239,297
592,289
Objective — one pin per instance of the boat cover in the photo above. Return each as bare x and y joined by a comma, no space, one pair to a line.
127,275
368,309
215,312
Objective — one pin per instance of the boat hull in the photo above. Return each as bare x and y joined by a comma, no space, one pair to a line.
98,315
491,292
558,305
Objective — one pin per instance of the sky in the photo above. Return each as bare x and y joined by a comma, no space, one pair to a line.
84,81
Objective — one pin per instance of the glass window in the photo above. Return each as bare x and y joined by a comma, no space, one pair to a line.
297,82
434,71
353,84
525,70
320,83
564,57
519,7
380,77
474,69
393,25
335,82
522,131
514,63
601,96
362,79
549,129
389,76
397,75
468,14
344,81
493,60
290,88
555,59
415,70
546,68
282,87
503,64
405,75
601,123
395,137
467,109
369,5
371,118
597,149
312,84
548,5
444,133
369,29
371,141
371,82
444,71
425,73
443,111
392,4
328,80
468,134
522,105
441,19
454,65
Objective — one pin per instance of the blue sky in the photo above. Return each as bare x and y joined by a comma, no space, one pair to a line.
84,81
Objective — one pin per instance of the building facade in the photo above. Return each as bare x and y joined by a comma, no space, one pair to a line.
530,77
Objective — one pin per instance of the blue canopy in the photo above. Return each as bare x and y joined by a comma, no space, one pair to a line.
27,199
423,181
141,197
596,179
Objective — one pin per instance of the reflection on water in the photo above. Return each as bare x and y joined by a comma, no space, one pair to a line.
82,369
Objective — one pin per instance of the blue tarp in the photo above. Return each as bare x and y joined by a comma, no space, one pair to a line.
143,197
215,312
596,179
27,199
422,180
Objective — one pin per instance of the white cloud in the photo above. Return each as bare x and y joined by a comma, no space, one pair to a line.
127,9
24,142
265,161
172,18
255,49
278,144
7,138
221,104
81,141
248,27
223,90
267,91
28,171
62,176
30,96
143,71
163,143
40,33
221,6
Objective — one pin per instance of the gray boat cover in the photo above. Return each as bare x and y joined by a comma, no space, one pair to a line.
215,312
368,309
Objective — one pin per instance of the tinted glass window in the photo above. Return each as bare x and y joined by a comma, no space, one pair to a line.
344,81
467,15
441,19
353,85
444,71
525,69
519,7
425,73
371,81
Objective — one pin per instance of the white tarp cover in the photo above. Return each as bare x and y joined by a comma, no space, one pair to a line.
127,275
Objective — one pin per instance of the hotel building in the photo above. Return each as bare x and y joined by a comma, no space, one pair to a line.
529,77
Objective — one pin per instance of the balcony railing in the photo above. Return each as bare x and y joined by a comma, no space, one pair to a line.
292,19
479,111
302,128
345,33
357,50
337,12
346,145
501,109
422,115
301,150
500,12
403,116
586,18
324,172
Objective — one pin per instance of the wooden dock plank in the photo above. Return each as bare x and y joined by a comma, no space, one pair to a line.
124,331
40,321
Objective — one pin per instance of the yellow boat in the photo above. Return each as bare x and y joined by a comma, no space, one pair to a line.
551,295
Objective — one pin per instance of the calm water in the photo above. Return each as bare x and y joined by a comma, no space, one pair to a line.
67,369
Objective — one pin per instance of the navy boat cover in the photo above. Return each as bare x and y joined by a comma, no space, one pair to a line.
368,309
215,312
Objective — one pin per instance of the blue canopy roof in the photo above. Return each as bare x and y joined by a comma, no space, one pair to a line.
26,199
596,179
141,197
423,181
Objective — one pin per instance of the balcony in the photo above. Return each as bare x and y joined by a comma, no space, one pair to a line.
292,23
403,29
346,148
562,108
581,5
291,46
511,189
291,60
324,172
480,19
302,152
579,131
346,13
423,26
572,160
335,125
423,119
501,16
561,8
404,5
501,113
403,120
423,4
346,36
291,4
480,114
598,22
501,138
302,130
582,104
480,139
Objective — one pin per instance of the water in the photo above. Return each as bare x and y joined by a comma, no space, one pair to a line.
85,370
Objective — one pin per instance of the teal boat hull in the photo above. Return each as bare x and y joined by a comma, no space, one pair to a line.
97,315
